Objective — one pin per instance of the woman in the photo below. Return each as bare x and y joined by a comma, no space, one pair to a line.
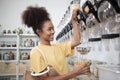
38,18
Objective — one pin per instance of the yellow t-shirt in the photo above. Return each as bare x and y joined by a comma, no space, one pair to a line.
55,54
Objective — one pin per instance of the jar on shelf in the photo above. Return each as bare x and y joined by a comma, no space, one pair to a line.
13,43
4,31
25,56
37,42
31,42
8,44
0,29
106,14
9,32
19,31
28,43
8,56
2,43
14,31
11,55
0,56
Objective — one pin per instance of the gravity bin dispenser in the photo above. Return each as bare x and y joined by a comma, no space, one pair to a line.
99,23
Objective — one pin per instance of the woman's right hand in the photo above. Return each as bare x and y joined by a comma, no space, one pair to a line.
74,14
81,68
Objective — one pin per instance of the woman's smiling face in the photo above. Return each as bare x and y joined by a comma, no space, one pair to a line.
47,32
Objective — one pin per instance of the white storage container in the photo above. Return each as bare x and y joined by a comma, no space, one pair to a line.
109,72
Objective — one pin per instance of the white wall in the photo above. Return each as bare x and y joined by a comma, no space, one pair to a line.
11,10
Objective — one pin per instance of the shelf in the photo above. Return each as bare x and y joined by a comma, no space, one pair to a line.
8,61
28,48
24,60
10,74
20,74
7,74
11,48
19,49
28,35
6,35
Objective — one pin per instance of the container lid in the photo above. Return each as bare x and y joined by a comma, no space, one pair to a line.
110,36
94,39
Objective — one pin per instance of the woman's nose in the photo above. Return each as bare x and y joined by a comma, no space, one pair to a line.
53,31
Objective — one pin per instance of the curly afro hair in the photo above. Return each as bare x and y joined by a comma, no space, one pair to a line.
35,17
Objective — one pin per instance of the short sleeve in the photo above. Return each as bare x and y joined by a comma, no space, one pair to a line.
66,48
37,62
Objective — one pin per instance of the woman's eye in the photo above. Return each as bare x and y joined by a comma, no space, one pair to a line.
49,29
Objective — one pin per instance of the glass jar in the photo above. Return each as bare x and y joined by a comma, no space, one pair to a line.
94,33
25,56
68,14
9,32
116,42
115,31
6,56
14,31
11,55
106,14
26,43
0,29
31,43
118,3
4,32
13,43
2,43
95,43
8,44
0,56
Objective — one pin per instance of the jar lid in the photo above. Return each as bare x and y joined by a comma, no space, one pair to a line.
94,39
110,36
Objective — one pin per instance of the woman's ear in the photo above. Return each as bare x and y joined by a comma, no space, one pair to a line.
38,31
